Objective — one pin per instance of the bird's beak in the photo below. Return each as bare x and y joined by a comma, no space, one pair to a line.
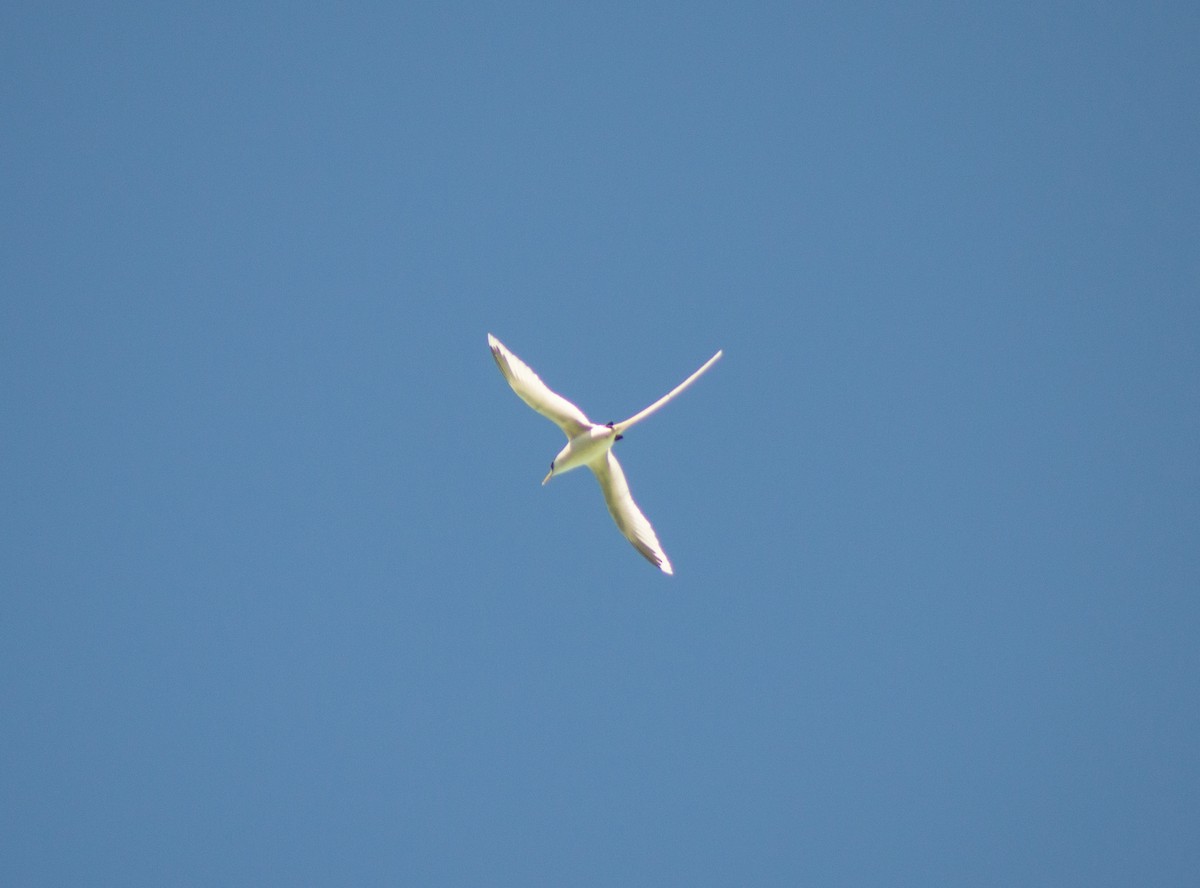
549,475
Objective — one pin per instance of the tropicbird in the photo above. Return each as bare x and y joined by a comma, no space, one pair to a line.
590,444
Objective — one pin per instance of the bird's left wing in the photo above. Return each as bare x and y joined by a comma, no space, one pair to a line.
536,393
626,513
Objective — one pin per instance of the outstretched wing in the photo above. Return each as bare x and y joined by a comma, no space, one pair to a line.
536,393
626,513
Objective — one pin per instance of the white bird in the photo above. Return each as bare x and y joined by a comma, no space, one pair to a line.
590,444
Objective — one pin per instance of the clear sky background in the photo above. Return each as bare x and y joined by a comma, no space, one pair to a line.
284,603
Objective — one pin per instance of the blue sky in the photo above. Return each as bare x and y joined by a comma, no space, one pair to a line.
285,603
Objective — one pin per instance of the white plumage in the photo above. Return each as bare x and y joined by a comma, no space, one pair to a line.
590,444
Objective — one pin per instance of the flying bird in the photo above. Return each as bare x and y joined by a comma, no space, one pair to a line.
590,444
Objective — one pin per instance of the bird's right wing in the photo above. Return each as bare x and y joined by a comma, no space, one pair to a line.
536,393
626,513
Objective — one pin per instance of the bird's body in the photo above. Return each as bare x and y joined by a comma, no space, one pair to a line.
582,450
590,444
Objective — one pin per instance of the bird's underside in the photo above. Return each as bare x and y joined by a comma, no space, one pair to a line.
590,444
